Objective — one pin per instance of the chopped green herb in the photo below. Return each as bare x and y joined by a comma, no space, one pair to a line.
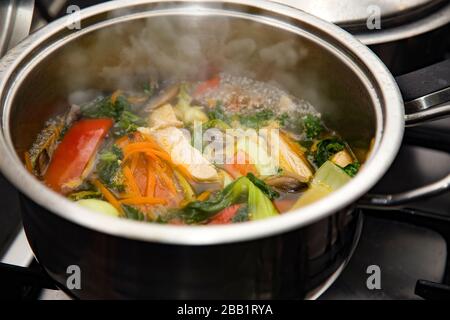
218,113
104,108
313,126
127,123
283,119
306,143
109,170
352,169
268,191
256,120
326,149
133,213
216,123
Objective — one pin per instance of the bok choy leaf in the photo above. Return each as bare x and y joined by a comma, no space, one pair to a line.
240,191
327,179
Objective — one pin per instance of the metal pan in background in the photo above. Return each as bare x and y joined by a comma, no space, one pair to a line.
15,22
413,33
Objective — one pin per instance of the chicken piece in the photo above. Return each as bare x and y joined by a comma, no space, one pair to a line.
163,117
173,141
342,158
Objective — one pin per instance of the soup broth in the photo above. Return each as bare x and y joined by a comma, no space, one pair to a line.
225,150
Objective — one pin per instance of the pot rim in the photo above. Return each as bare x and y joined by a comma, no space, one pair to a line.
388,110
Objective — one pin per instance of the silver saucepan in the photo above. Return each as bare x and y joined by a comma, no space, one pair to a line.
295,255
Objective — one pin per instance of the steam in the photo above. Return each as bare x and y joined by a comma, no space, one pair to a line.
182,47
185,48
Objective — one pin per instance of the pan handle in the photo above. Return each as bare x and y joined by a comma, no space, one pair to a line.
426,93
389,201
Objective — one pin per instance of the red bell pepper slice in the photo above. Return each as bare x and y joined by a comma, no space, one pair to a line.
226,215
207,85
75,151
237,169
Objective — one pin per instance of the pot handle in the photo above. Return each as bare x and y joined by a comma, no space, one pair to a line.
389,201
426,93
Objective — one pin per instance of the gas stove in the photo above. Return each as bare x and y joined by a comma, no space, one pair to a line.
409,246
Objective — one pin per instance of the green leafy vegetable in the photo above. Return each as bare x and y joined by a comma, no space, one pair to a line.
85,194
104,108
241,215
199,211
216,123
183,95
149,89
330,175
328,178
161,220
268,191
218,113
307,144
133,213
99,206
189,194
125,121
256,120
352,169
185,111
313,126
326,149
239,191
109,170
259,206
283,119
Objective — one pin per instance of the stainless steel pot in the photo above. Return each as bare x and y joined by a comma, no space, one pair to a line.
290,256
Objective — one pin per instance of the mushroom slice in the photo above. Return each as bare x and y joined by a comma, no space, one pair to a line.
165,96
287,184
